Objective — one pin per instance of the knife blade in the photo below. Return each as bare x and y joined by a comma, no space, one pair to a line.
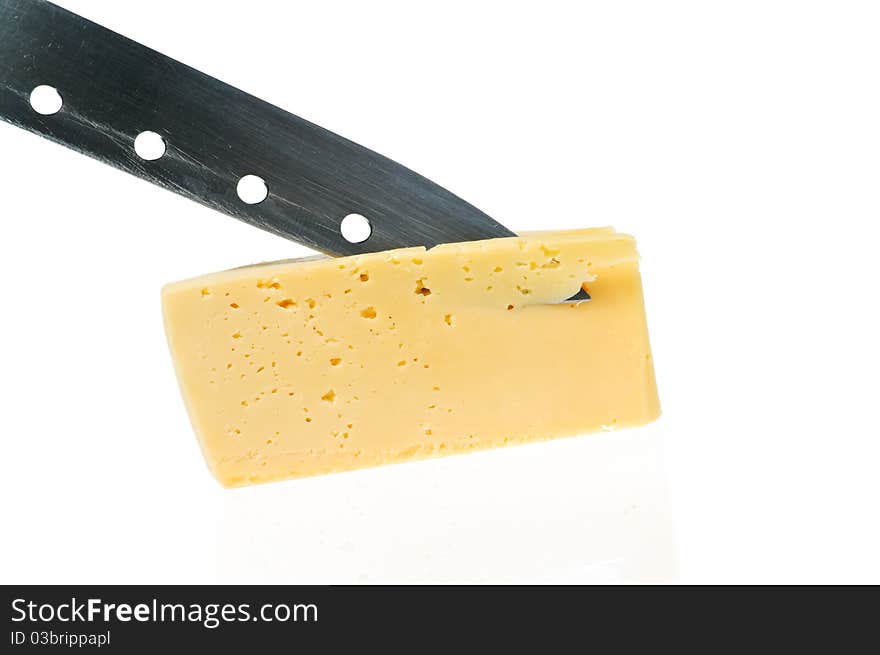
212,137
112,89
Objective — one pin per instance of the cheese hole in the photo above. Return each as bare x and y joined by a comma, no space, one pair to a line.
252,190
149,146
356,228
46,100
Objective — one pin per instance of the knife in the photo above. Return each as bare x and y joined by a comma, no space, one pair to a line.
107,93
113,89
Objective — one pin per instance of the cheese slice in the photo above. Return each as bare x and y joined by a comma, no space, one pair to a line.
298,368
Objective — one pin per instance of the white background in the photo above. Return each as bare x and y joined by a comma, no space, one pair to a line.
739,142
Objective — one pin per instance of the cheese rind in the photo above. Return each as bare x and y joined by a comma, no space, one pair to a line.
304,367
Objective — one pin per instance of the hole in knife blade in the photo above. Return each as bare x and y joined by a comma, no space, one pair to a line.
356,228
252,189
149,145
46,100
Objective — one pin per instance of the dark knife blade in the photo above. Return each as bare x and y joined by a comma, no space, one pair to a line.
113,89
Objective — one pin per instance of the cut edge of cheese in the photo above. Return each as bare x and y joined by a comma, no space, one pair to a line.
320,365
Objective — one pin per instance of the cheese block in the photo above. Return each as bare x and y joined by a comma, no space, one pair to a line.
297,368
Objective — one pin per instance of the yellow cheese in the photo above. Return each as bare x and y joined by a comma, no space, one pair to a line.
321,365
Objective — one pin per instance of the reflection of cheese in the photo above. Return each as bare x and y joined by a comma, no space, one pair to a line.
300,368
